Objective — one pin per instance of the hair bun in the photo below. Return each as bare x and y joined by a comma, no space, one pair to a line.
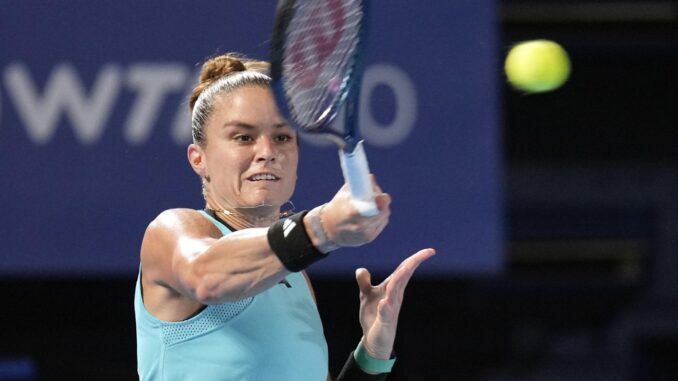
220,66
214,69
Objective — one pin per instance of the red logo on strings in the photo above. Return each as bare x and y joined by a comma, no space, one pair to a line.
310,51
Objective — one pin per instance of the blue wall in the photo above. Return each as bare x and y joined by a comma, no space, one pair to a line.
94,128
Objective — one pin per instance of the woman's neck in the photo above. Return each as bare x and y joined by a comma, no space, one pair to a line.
261,216
243,219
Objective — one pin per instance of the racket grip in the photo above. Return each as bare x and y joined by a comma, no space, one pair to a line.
357,176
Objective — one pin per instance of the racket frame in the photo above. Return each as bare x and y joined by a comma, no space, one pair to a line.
351,153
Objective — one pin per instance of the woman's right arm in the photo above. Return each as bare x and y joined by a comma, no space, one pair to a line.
185,252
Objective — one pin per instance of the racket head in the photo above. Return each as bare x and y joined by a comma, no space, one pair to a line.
315,53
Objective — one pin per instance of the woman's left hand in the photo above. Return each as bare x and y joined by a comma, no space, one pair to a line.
380,305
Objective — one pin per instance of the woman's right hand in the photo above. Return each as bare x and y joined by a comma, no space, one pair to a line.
345,226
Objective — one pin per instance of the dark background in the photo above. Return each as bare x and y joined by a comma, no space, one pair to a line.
590,290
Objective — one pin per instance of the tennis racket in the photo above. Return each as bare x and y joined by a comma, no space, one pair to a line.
316,70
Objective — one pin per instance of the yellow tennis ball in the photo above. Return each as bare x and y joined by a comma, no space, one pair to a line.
537,66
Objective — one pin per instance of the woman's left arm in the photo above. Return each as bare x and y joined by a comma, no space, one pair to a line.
380,305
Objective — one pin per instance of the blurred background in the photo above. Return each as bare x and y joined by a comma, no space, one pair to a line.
555,215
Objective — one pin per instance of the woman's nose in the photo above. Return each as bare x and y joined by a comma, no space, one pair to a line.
265,149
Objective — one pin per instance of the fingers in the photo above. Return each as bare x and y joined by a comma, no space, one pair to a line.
417,258
383,200
364,279
389,305
410,264
401,276
344,224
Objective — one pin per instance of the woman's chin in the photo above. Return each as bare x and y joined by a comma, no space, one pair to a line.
263,206
267,200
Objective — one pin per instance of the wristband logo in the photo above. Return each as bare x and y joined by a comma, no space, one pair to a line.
288,226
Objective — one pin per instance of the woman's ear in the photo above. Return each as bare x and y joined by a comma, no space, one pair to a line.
196,157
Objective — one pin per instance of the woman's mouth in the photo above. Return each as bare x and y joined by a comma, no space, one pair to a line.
263,177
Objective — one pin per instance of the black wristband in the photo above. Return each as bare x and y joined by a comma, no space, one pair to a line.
290,242
353,372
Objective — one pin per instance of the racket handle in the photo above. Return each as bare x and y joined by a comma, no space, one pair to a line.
357,175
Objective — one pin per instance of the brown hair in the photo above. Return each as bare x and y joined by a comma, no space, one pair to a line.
222,74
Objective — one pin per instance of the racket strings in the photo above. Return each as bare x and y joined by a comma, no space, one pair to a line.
319,55
332,80
335,83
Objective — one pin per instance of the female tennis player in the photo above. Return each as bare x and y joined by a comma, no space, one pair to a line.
222,293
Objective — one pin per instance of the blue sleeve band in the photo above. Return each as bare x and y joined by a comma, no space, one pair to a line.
370,364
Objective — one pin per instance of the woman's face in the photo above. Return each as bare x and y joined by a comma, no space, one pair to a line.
251,153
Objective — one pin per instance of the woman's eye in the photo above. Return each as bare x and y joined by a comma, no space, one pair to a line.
243,138
283,138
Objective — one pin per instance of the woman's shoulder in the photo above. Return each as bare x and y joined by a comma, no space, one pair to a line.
181,221
175,227
177,215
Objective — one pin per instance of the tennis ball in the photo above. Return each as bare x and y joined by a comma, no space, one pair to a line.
537,66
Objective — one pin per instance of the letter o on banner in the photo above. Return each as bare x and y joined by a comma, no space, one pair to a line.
405,106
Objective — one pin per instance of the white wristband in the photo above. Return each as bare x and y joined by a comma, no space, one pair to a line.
315,216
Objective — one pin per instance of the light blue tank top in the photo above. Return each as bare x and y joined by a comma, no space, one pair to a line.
275,335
